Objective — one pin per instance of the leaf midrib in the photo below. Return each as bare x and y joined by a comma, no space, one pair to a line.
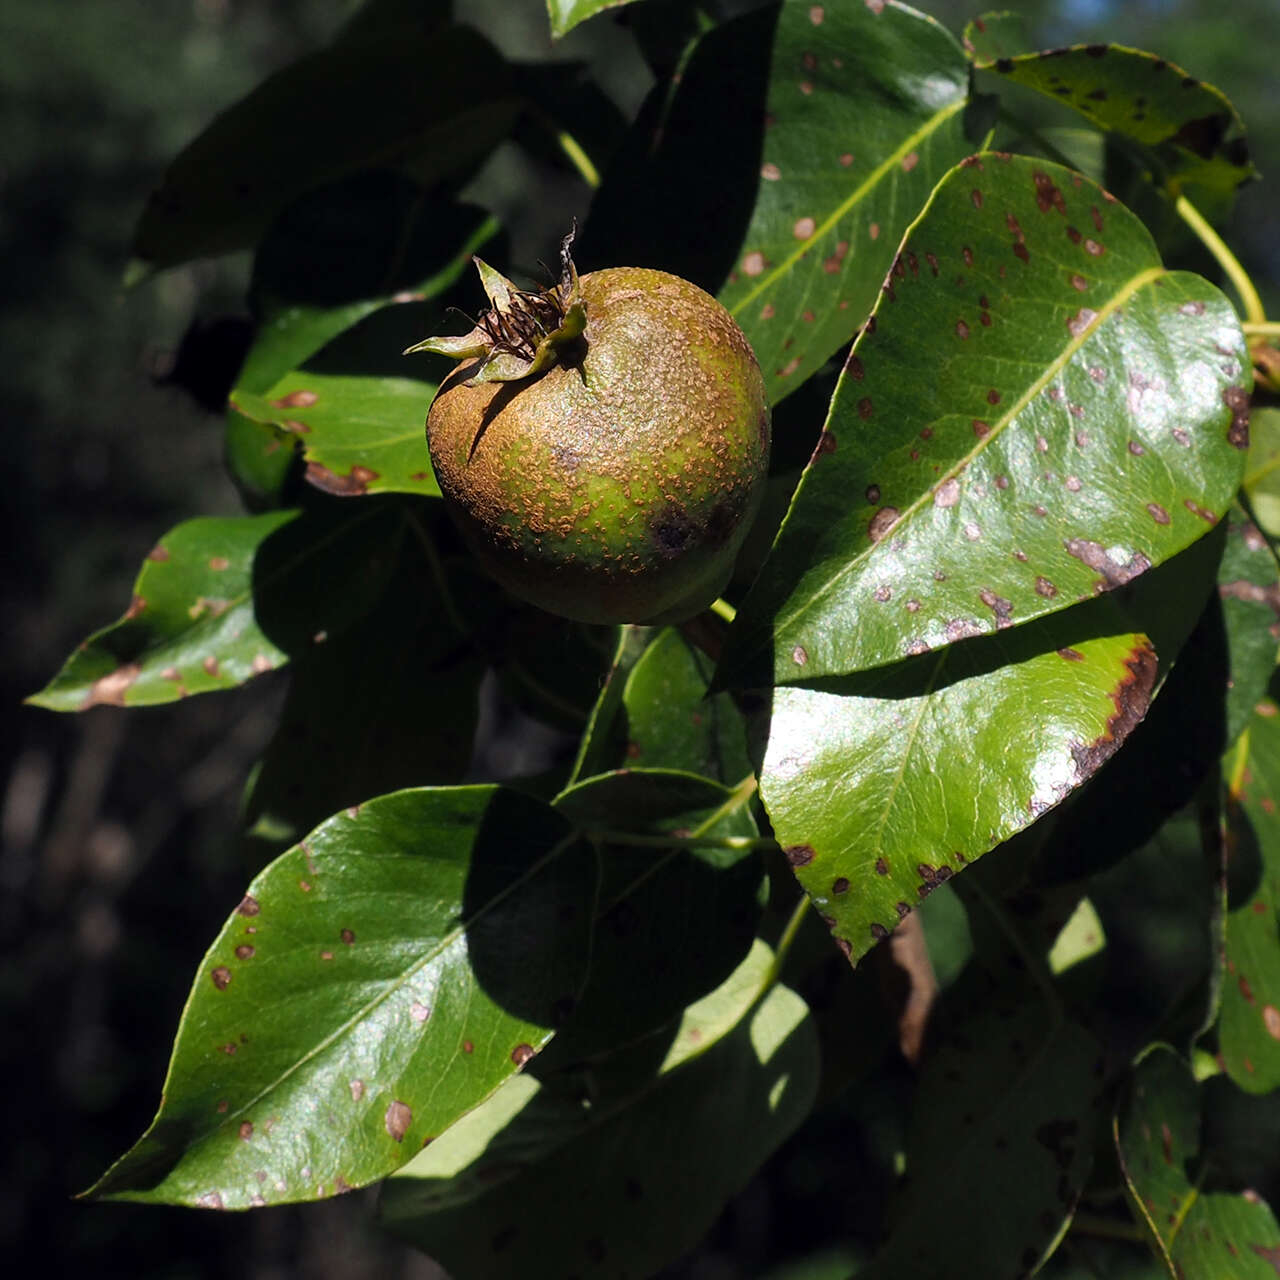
859,193
1051,371
395,986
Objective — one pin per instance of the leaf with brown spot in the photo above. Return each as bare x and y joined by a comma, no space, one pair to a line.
1193,1231
1249,1022
928,765
1193,136
287,575
1167,376
434,883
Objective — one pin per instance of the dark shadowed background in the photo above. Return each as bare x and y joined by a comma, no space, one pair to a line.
119,858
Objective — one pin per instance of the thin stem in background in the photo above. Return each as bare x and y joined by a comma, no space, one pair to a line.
1254,311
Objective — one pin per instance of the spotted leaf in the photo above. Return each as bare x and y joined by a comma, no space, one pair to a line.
1194,1232
362,103
1190,131
1249,587
995,35
1036,412
358,434
865,113
223,599
1249,1023
675,1126
881,786
364,995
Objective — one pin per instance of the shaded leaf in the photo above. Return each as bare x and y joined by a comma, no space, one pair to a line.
670,1132
363,103
1196,1233
1036,415
382,239
390,703
672,921
566,14
596,751
1010,1091
1249,1024
1192,133
222,599
364,995
884,785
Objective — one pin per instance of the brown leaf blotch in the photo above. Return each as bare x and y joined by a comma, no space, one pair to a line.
221,977
397,1120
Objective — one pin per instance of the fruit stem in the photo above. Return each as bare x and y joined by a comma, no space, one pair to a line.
1254,311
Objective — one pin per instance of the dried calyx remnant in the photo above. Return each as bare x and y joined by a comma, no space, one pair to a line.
602,445
521,331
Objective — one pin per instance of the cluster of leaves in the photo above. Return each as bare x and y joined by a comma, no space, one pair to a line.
1031,530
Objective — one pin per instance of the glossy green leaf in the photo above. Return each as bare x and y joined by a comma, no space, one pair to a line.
1195,1232
358,434
364,995
646,1147
1039,412
881,786
566,14
865,114
1262,471
933,772
1010,1091
1193,135
364,103
673,921
223,599
1249,1023
1249,585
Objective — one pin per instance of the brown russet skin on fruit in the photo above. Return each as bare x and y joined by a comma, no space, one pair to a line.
618,485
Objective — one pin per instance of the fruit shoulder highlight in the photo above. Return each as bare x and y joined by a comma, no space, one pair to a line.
603,444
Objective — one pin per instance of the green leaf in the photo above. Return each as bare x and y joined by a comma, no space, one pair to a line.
882,786
1193,136
995,35
390,703
647,1156
673,920
383,240
668,720
1249,585
1262,470
1010,1091
364,995
1039,412
1195,1232
864,115
430,105
358,434
223,599
1249,1024
566,14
